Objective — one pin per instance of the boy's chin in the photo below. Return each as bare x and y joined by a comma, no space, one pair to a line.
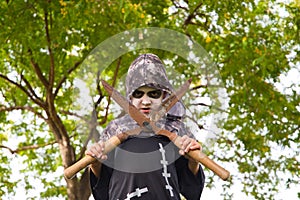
146,113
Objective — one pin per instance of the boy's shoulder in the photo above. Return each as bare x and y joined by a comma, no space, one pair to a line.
120,125
126,123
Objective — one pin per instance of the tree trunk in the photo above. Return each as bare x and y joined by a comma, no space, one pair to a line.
77,189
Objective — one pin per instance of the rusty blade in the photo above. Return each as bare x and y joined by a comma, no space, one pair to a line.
130,109
169,102
139,117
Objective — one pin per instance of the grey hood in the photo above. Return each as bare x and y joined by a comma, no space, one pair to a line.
148,70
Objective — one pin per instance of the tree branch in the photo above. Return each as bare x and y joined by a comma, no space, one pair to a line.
30,147
29,87
93,122
52,65
31,109
64,78
113,84
25,148
74,114
93,132
37,70
37,101
200,126
198,87
210,106
192,15
55,122
177,5
5,147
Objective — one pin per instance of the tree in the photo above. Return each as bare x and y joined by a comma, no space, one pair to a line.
44,44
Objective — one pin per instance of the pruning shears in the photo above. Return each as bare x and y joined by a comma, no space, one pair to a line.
147,123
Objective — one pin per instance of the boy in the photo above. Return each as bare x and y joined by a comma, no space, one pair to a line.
147,166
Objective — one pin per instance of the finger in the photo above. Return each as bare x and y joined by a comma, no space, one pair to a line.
183,139
101,143
188,147
188,143
104,157
193,145
96,150
185,142
197,146
91,151
181,152
88,152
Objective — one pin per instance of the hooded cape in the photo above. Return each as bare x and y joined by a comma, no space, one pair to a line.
147,166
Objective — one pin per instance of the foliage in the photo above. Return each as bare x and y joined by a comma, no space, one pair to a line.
43,43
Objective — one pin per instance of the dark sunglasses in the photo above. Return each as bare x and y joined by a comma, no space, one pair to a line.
154,94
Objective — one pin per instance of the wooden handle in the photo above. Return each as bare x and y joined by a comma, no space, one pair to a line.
110,144
114,141
210,164
206,161
71,171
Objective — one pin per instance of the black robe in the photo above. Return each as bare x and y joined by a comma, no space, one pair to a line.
147,168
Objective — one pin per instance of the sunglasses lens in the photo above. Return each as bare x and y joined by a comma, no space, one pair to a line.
138,94
154,94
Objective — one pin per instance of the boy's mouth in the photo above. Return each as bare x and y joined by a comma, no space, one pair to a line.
145,110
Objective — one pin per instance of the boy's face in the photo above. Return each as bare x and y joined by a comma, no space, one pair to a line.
146,99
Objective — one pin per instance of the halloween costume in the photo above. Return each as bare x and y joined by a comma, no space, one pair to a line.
147,166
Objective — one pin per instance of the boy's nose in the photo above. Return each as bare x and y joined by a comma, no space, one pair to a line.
146,100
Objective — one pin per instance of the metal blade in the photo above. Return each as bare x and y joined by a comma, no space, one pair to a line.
139,117
169,102
130,109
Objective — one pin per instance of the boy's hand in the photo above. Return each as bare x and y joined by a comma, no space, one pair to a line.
96,151
188,144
